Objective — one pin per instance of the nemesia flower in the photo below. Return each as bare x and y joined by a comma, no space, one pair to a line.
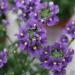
32,37
25,7
3,58
3,6
56,57
32,5
47,13
53,20
70,28
64,39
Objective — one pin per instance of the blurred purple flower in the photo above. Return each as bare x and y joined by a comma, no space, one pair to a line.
70,28
3,58
27,4
3,6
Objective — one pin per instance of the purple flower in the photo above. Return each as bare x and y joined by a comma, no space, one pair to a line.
26,7
3,6
32,37
46,13
53,20
3,58
32,5
23,15
56,57
35,49
70,28
20,3
29,5
64,40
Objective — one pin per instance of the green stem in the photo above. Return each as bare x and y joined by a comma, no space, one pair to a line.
32,60
28,66
13,44
71,41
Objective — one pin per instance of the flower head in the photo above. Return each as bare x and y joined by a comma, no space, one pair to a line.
32,37
47,13
56,57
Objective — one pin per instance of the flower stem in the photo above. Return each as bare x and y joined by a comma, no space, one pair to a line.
71,41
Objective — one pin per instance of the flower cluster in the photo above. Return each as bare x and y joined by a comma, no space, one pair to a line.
32,37
43,12
3,58
25,7
47,13
56,57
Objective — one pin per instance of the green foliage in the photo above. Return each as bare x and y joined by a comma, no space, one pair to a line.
19,63
2,46
66,7
2,36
